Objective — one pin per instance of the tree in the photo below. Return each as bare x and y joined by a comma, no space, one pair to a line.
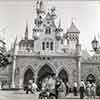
4,60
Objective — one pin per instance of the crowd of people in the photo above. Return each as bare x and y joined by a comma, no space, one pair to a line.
54,85
59,89
88,90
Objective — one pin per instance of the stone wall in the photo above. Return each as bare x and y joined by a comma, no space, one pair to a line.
90,68
69,64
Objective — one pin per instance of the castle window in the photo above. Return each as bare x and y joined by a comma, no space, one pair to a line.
51,45
48,58
47,44
43,46
48,30
73,38
43,58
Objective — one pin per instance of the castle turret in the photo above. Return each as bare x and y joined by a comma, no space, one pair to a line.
26,32
59,30
73,35
40,7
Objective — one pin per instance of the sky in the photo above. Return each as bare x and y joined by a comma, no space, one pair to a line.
85,14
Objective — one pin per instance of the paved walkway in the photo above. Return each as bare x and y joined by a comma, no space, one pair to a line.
17,95
20,95
71,96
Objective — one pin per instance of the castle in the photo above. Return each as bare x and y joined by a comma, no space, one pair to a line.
51,50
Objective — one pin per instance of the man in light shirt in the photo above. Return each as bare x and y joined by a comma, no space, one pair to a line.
75,88
34,87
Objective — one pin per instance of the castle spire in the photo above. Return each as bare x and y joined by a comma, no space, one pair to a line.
26,31
72,20
95,37
73,28
59,26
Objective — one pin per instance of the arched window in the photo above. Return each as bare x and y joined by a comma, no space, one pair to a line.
51,46
48,30
43,46
47,44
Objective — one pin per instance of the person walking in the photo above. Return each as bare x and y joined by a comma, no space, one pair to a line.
58,83
34,87
75,88
67,88
93,90
43,85
88,90
29,87
82,89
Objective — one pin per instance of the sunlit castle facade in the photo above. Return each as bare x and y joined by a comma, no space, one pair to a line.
50,50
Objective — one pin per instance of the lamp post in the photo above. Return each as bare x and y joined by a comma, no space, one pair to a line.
95,46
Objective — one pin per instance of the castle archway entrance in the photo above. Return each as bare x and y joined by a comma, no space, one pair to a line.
28,75
43,74
63,76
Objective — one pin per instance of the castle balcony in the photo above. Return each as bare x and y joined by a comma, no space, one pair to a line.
57,54
25,53
70,53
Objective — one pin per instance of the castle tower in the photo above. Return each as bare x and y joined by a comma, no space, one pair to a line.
73,36
26,32
73,42
59,36
45,31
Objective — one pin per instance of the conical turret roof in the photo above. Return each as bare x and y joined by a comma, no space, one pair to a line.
48,16
95,40
73,29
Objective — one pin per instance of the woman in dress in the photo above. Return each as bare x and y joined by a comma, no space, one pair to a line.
88,90
93,90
